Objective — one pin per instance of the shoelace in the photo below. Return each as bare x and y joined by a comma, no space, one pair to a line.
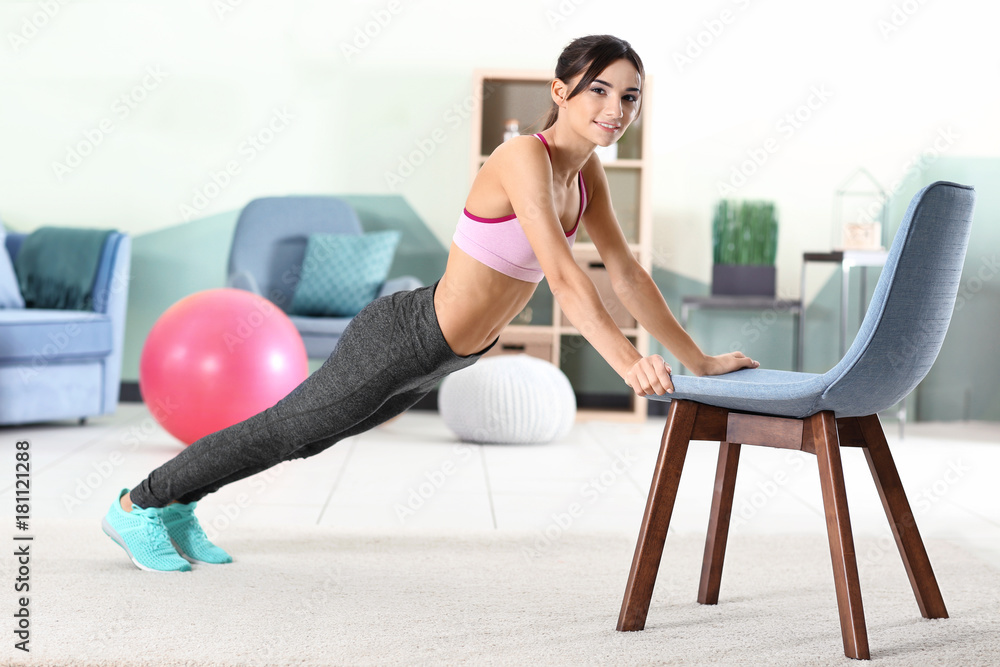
154,529
193,527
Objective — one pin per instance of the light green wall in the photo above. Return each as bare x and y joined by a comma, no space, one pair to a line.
965,381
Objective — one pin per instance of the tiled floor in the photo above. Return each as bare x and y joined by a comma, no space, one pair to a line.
412,475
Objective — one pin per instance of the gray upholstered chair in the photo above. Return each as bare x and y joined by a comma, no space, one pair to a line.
269,246
898,342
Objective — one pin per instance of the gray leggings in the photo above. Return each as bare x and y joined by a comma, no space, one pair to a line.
390,356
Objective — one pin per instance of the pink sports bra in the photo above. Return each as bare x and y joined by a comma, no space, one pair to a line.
500,243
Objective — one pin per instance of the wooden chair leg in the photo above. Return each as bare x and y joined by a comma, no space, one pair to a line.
820,432
656,519
718,523
904,526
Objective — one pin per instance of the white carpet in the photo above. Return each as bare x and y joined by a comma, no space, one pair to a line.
315,596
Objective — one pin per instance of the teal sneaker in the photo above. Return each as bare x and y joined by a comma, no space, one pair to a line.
143,536
188,537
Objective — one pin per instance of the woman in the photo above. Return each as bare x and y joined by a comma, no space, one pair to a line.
520,220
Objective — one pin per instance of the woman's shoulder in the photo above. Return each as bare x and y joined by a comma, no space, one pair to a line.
520,162
525,147
593,170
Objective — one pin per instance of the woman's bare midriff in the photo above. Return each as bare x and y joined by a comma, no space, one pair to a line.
474,302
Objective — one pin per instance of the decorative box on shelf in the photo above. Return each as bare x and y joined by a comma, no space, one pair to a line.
859,213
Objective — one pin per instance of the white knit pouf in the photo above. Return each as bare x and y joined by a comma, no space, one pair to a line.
508,399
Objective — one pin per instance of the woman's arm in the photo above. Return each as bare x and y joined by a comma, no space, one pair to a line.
526,177
635,287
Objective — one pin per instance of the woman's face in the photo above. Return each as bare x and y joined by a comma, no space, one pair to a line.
604,109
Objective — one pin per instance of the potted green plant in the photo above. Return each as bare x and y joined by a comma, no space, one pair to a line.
744,246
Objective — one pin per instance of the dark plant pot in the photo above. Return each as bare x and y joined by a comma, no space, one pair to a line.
743,280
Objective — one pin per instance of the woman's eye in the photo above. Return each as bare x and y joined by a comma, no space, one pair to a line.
598,90
631,98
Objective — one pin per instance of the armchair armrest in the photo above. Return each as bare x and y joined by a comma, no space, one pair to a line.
111,297
110,292
401,284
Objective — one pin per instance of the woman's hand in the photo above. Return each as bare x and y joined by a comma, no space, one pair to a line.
726,363
650,375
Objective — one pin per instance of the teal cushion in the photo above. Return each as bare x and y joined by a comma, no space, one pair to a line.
342,273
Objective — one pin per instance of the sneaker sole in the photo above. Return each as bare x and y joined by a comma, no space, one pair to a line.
192,559
113,534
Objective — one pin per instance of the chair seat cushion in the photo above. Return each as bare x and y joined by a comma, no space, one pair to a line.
342,273
39,336
781,393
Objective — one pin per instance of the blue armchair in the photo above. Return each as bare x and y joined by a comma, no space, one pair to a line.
66,364
269,246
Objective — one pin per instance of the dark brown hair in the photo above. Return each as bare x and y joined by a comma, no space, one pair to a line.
591,55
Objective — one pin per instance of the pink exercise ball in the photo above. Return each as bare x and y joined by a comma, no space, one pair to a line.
217,357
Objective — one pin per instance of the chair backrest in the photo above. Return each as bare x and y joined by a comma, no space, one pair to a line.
271,234
911,309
